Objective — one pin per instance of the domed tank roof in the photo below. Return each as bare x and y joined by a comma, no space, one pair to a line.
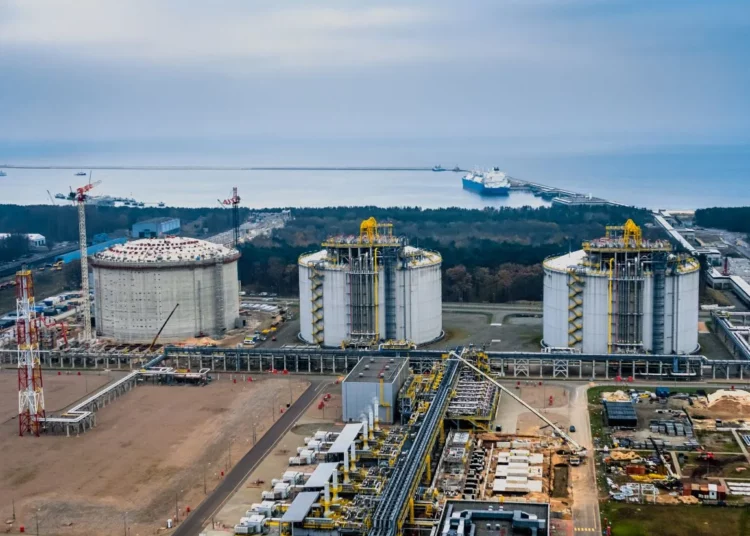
170,250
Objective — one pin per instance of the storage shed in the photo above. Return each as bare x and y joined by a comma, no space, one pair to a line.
620,414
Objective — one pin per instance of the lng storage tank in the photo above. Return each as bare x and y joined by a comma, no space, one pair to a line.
139,283
371,287
622,294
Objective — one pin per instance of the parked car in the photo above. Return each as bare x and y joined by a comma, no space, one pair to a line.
572,428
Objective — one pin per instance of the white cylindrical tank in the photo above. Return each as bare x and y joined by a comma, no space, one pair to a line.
419,316
409,304
138,284
563,296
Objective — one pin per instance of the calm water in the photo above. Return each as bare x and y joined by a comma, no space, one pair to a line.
678,177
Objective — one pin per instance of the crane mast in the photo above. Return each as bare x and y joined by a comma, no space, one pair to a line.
234,202
84,271
80,198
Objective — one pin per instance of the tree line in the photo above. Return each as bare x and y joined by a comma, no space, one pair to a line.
492,255
735,219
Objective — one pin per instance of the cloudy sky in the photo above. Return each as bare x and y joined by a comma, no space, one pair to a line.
610,71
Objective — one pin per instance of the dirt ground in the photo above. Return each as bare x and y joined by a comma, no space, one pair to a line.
277,462
150,449
59,391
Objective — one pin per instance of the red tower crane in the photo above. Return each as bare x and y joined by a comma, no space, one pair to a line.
234,202
79,197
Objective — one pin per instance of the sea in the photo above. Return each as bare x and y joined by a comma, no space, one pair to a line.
671,177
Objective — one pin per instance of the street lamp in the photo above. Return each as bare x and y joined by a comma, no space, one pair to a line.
205,492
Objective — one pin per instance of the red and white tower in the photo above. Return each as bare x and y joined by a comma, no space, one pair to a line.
30,392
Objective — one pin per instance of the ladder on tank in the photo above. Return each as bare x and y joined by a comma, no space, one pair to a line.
575,309
316,296
219,296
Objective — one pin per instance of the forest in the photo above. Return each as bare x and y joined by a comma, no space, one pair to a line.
735,219
491,255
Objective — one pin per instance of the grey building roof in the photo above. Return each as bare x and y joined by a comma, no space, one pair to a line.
345,439
369,369
162,219
321,475
300,507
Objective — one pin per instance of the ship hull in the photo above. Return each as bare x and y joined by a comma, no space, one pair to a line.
481,189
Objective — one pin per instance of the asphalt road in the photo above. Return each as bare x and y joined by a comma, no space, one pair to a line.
201,515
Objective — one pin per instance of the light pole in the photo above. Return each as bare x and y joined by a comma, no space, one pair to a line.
205,492
126,524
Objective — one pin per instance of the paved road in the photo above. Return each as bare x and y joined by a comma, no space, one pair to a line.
201,515
586,517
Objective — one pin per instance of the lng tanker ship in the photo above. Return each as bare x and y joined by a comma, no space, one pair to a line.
493,182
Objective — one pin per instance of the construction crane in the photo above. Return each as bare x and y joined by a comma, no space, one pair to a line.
153,343
234,202
79,197
577,449
51,199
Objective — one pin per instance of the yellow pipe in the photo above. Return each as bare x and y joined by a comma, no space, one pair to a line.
411,509
427,468
376,292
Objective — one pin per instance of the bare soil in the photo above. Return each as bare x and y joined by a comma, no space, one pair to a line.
150,450
59,391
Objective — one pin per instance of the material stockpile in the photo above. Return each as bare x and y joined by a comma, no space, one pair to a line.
623,456
616,396
199,341
735,402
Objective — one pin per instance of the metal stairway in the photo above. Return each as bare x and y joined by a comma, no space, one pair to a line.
316,291
575,309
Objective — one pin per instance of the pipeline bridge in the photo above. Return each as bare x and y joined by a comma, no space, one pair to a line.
330,361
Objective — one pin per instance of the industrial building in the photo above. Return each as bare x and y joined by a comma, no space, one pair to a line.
156,228
35,239
622,294
373,385
139,283
478,518
368,288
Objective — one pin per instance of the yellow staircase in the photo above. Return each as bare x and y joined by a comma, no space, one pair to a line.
316,292
575,309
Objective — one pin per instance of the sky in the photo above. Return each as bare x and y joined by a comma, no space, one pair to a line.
563,74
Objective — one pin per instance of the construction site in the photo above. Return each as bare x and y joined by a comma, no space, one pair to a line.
665,446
